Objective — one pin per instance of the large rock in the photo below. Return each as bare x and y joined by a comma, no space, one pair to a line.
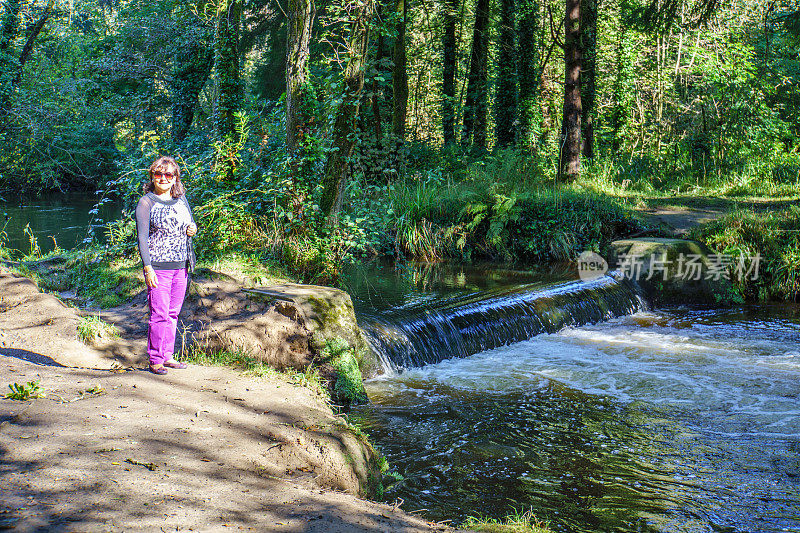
676,270
285,326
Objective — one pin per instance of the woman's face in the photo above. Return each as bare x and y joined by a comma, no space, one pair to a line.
163,180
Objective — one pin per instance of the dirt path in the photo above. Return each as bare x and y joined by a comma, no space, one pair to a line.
681,215
203,449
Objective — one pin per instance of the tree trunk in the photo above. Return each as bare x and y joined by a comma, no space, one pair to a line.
570,157
193,63
588,74
449,72
344,128
506,104
380,68
475,104
226,66
529,74
400,75
298,37
11,68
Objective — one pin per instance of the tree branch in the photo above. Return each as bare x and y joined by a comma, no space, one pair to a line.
34,33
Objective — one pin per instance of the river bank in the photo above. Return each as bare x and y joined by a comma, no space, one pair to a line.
203,448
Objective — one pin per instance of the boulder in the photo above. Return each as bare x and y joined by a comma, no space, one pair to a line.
674,271
286,326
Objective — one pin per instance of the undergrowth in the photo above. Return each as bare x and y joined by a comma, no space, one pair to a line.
773,236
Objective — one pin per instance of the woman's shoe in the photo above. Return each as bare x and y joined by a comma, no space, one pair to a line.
175,364
160,370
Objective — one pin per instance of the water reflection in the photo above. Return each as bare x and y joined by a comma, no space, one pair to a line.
62,219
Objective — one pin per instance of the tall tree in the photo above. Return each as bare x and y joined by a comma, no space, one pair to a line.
226,66
588,74
380,69
11,68
529,72
478,79
570,154
193,60
400,74
337,166
506,102
298,37
449,71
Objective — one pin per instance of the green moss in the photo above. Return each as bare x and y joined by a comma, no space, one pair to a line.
348,387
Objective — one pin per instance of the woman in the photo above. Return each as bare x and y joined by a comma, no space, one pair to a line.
165,226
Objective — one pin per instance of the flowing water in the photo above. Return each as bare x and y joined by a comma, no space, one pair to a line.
671,420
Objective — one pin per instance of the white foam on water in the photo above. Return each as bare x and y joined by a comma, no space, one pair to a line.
742,383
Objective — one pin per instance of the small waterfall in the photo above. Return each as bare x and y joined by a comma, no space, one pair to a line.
427,333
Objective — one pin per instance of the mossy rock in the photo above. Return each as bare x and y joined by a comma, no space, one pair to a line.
329,316
675,271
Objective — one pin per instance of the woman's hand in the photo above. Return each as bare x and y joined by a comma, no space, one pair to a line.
150,277
191,230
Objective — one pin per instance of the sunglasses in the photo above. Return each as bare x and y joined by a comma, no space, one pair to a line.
169,175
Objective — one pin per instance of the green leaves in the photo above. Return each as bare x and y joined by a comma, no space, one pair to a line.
24,392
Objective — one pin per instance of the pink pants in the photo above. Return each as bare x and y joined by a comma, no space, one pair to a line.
165,302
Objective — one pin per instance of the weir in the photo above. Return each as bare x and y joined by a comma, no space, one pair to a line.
430,332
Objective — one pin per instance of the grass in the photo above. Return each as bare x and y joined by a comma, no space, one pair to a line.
309,378
517,219
774,236
517,522
776,178
93,327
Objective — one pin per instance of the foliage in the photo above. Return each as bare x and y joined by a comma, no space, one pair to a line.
348,387
24,392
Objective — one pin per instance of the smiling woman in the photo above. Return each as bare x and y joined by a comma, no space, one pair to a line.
165,226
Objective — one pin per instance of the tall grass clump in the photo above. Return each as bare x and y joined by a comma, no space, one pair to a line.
773,236
516,522
507,210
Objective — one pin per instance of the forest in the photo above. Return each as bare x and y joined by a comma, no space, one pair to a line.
311,134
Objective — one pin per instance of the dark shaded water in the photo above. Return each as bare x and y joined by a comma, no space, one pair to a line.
677,420
63,219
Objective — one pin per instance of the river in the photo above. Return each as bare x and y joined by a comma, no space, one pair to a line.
671,420
58,219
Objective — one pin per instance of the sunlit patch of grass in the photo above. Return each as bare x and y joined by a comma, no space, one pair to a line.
772,236
308,378
105,281
516,522
247,268
93,327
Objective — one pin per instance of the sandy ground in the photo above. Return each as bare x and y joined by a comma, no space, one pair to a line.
201,449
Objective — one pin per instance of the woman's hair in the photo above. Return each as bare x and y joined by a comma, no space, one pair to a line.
165,164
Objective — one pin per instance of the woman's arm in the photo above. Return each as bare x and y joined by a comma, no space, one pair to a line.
143,228
192,229
143,232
